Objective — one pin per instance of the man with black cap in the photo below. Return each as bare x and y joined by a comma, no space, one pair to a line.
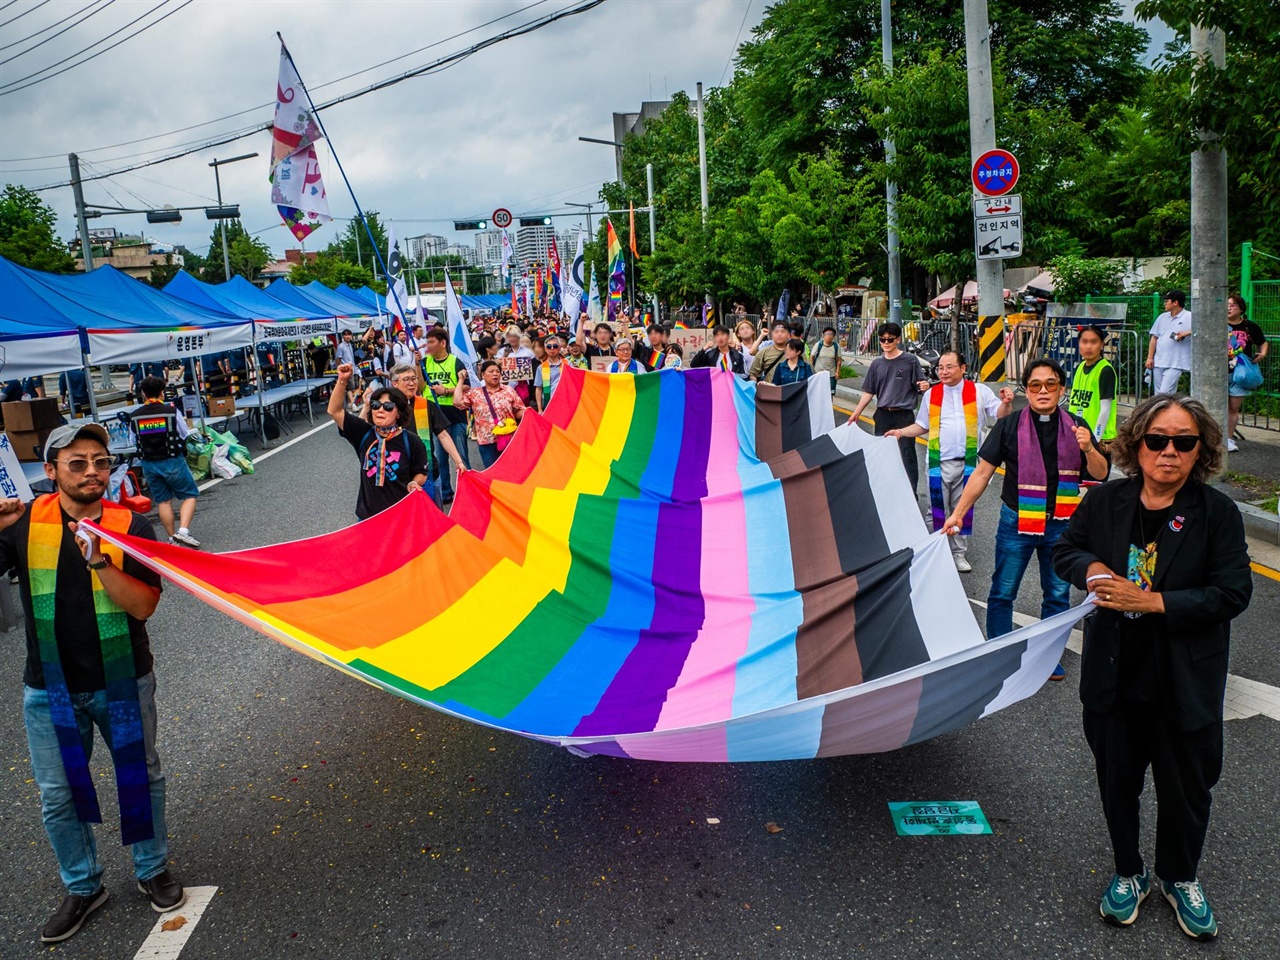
88,662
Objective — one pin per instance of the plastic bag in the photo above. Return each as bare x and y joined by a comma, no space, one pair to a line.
199,455
221,465
237,452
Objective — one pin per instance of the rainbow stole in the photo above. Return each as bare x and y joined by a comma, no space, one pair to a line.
422,426
969,395
1033,477
128,754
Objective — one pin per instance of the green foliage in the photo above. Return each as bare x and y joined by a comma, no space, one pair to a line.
331,269
352,244
162,273
247,254
1076,277
27,234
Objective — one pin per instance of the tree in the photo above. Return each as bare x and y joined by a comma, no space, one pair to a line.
352,244
1075,277
162,273
247,254
27,232
331,269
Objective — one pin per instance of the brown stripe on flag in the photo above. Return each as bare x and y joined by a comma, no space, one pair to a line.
768,421
826,654
873,722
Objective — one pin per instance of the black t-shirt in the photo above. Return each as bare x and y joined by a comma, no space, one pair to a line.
592,350
1137,674
75,623
1248,336
406,459
1001,447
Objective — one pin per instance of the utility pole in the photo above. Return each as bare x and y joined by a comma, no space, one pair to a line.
702,172
891,188
82,224
217,180
653,232
1209,245
982,137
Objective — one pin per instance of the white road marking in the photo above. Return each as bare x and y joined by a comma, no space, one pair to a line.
272,452
162,944
1244,698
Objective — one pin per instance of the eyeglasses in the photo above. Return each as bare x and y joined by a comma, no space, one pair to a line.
99,464
1043,386
1184,443
386,405
888,339
553,346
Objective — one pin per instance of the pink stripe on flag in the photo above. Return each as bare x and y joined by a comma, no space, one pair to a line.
704,691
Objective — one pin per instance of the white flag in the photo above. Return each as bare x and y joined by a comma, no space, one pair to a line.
397,293
594,310
506,256
460,344
573,286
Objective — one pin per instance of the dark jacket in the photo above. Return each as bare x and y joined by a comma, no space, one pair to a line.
710,357
1202,570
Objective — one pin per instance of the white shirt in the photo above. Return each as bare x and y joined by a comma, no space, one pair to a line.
346,353
400,353
951,427
1170,352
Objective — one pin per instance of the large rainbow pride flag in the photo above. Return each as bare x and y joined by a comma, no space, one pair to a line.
674,566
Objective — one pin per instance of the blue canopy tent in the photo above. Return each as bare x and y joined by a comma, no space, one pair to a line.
35,338
485,301
365,296
358,307
316,296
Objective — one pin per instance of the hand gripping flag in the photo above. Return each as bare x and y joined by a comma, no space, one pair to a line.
296,187
617,272
397,292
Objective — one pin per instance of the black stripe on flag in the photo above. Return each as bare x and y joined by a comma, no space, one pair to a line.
860,538
957,695
885,627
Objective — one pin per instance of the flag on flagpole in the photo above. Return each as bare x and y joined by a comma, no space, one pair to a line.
539,291
594,310
297,189
574,287
397,293
460,344
634,252
617,272
506,256
553,276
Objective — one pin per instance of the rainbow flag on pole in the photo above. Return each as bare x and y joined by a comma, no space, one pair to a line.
617,273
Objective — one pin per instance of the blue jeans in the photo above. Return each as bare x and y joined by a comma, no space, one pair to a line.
488,454
1013,553
73,841
458,434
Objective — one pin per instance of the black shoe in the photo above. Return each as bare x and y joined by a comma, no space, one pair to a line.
70,917
165,891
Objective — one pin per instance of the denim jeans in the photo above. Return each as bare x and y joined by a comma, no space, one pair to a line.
73,841
488,454
458,434
1013,553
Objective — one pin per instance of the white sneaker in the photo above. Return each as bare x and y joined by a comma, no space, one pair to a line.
963,565
1232,446
185,539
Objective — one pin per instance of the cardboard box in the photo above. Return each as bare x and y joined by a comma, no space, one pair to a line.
27,415
220,406
28,444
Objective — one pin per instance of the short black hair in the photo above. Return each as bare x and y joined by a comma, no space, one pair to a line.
606,326
676,349
796,344
1036,364
889,329
656,328
721,328
779,323
486,364
1177,296
1092,328
828,329
438,333
152,387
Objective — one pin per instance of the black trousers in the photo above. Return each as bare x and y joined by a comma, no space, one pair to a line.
1184,765
885,420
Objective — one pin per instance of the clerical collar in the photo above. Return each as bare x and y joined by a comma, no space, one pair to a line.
1045,417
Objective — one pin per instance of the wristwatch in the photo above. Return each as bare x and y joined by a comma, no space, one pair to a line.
104,562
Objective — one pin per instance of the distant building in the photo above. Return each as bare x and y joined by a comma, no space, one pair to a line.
135,256
468,254
531,245
488,250
625,123
427,245
278,269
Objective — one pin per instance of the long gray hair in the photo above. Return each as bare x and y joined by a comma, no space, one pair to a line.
1124,449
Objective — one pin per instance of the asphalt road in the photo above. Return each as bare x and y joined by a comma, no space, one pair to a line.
338,821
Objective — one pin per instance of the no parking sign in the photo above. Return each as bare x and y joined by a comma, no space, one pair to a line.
995,173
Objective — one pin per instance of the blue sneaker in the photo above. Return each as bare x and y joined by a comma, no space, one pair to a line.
1191,907
1058,673
1123,897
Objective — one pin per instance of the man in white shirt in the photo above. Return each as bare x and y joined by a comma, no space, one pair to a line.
952,440
1169,352
401,352
346,352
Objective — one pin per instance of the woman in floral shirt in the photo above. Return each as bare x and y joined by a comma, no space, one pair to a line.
490,404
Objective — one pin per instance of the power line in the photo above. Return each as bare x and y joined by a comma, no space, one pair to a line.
23,13
138,32
734,48
435,66
32,36
261,106
23,53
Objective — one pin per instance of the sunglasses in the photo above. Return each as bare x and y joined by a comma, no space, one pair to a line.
99,464
1155,442
553,346
888,339
1043,386
386,405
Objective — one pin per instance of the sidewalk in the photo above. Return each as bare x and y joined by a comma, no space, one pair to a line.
1253,473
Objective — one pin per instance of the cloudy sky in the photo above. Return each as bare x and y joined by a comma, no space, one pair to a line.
498,129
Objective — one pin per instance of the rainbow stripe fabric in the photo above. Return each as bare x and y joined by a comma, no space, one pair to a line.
969,397
679,565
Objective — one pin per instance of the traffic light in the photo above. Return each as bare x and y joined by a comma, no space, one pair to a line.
164,216
535,221
229,212
471,224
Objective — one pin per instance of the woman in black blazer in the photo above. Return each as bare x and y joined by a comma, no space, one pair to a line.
1167,561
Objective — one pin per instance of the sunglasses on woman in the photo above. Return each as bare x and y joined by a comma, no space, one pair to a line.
386,405
1183,443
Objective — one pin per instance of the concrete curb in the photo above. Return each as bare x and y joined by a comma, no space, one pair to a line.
1259,523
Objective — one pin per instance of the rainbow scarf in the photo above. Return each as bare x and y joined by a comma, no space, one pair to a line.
422,426
969,394
379,470
128,753
1033,477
